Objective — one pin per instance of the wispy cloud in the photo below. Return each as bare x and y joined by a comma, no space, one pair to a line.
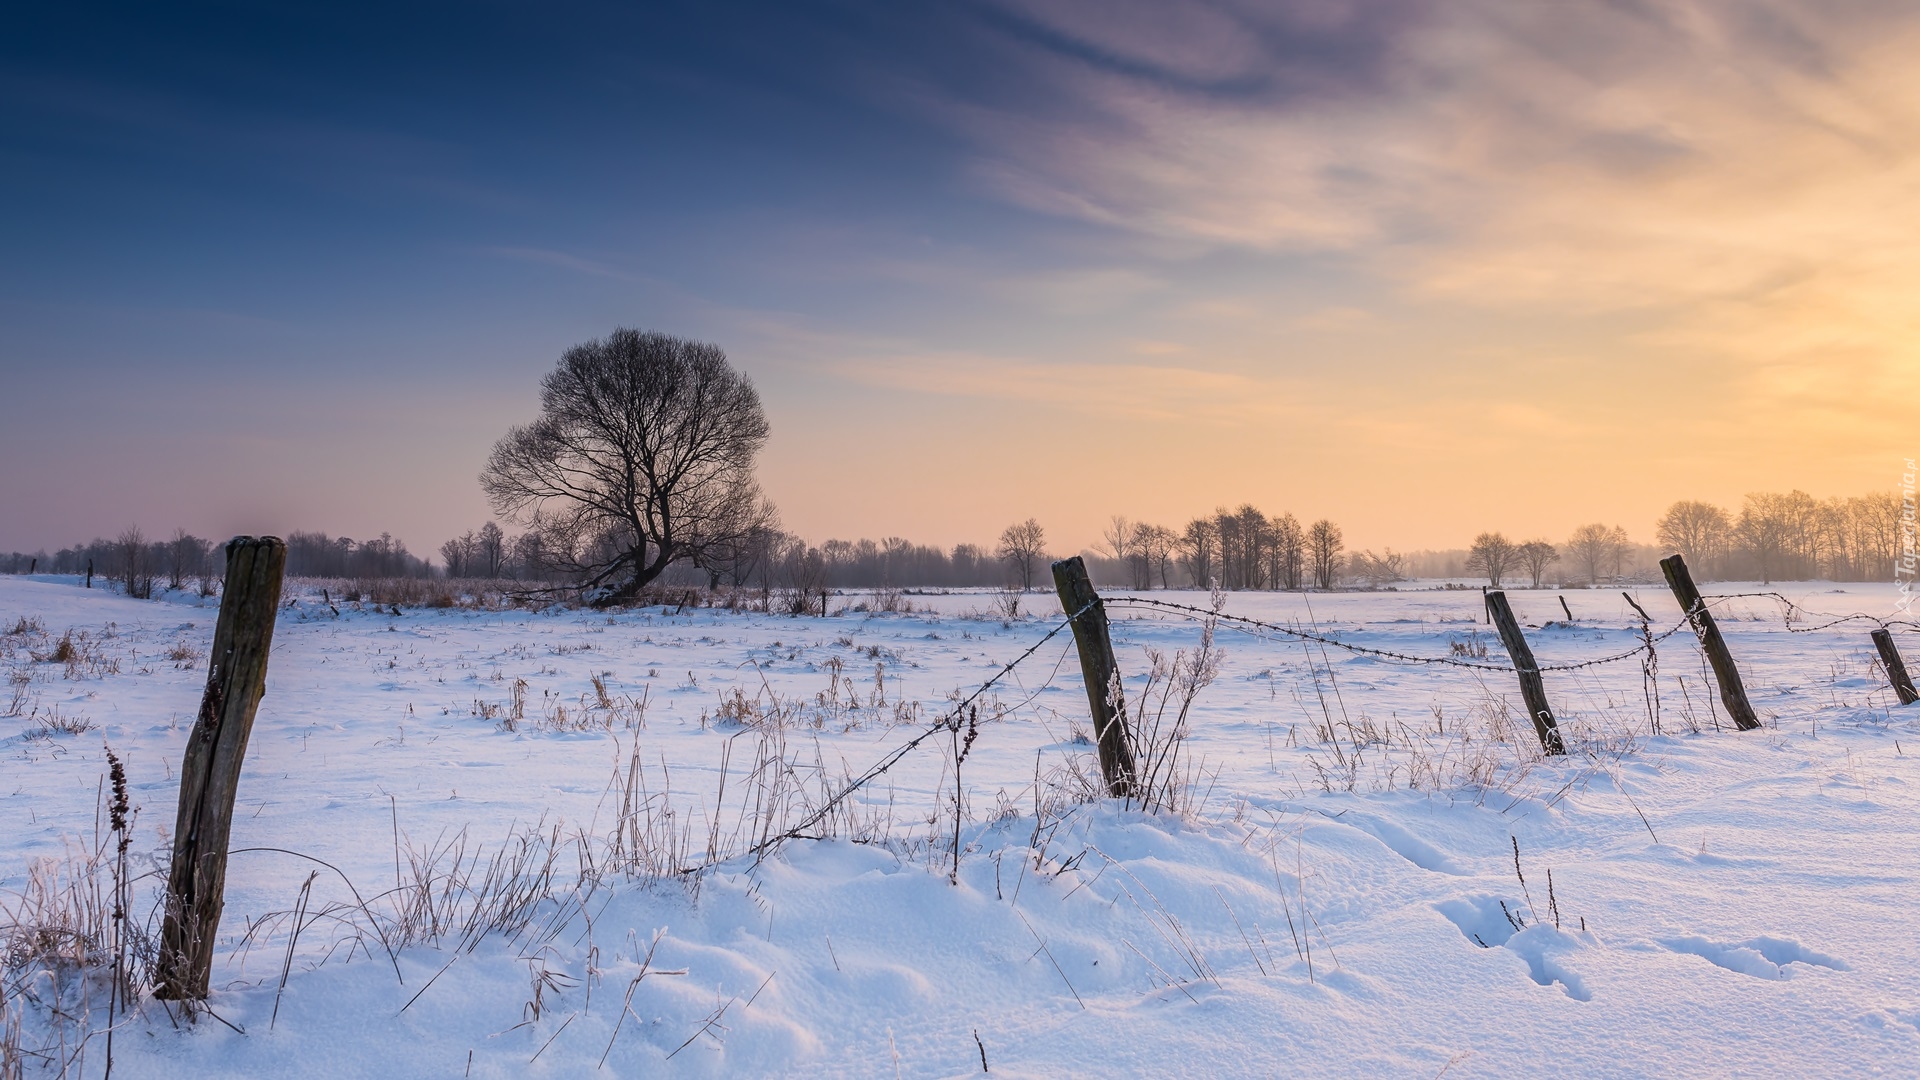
1738,176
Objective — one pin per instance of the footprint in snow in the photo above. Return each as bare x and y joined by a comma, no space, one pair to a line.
1404,844
1761,957
1491,922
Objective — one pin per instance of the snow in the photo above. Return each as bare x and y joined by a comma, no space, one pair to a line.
1721,903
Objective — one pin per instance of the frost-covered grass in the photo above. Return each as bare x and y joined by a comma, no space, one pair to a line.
508,801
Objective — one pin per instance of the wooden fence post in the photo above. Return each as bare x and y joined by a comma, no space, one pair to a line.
1896,667
1101,672
1733,693
1532,689
210,772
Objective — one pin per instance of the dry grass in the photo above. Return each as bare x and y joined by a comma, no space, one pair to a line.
842,706
1163,775
69,951
51,722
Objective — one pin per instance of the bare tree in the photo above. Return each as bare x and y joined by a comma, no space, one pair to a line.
489,550
136,571
1492,554
457,555
1116,541
1383,569
1324,545
1151,551
1700,531
1021,544
1199,549
1598,550
645,443
803,574
1766,532
185,553
1536,556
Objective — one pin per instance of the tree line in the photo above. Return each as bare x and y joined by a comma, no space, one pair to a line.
1791,536
1241,548
1773,536
136,562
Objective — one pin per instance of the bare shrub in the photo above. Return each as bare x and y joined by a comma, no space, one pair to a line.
19,691
1006,604
63,651
1162,779
53,722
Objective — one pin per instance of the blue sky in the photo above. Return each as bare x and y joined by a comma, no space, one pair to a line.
297,267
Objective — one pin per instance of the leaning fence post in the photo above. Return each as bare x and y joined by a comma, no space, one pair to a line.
1101,672
1733,693
210,772
1532,689
1896,667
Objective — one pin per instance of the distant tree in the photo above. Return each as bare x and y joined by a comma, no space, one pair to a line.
644,444
185,554
528,558
1536,556
1021,544
1116,540
136,570
1324,545
489,550
803,576
967,563
1766,532
1289,551
1385,568
734,544
1491,554
456,555
1598,550
1699,531
1151,552
1876,535
1199,549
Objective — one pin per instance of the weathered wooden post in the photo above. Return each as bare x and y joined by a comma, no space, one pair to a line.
1733,693
210,772
1532,689
1896,667
1101,672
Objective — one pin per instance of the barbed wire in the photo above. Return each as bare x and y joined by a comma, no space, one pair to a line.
1193,611
1793,606
946,723
949,720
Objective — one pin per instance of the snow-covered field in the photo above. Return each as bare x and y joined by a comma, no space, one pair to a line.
1338,896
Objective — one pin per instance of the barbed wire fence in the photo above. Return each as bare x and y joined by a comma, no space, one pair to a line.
964,711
